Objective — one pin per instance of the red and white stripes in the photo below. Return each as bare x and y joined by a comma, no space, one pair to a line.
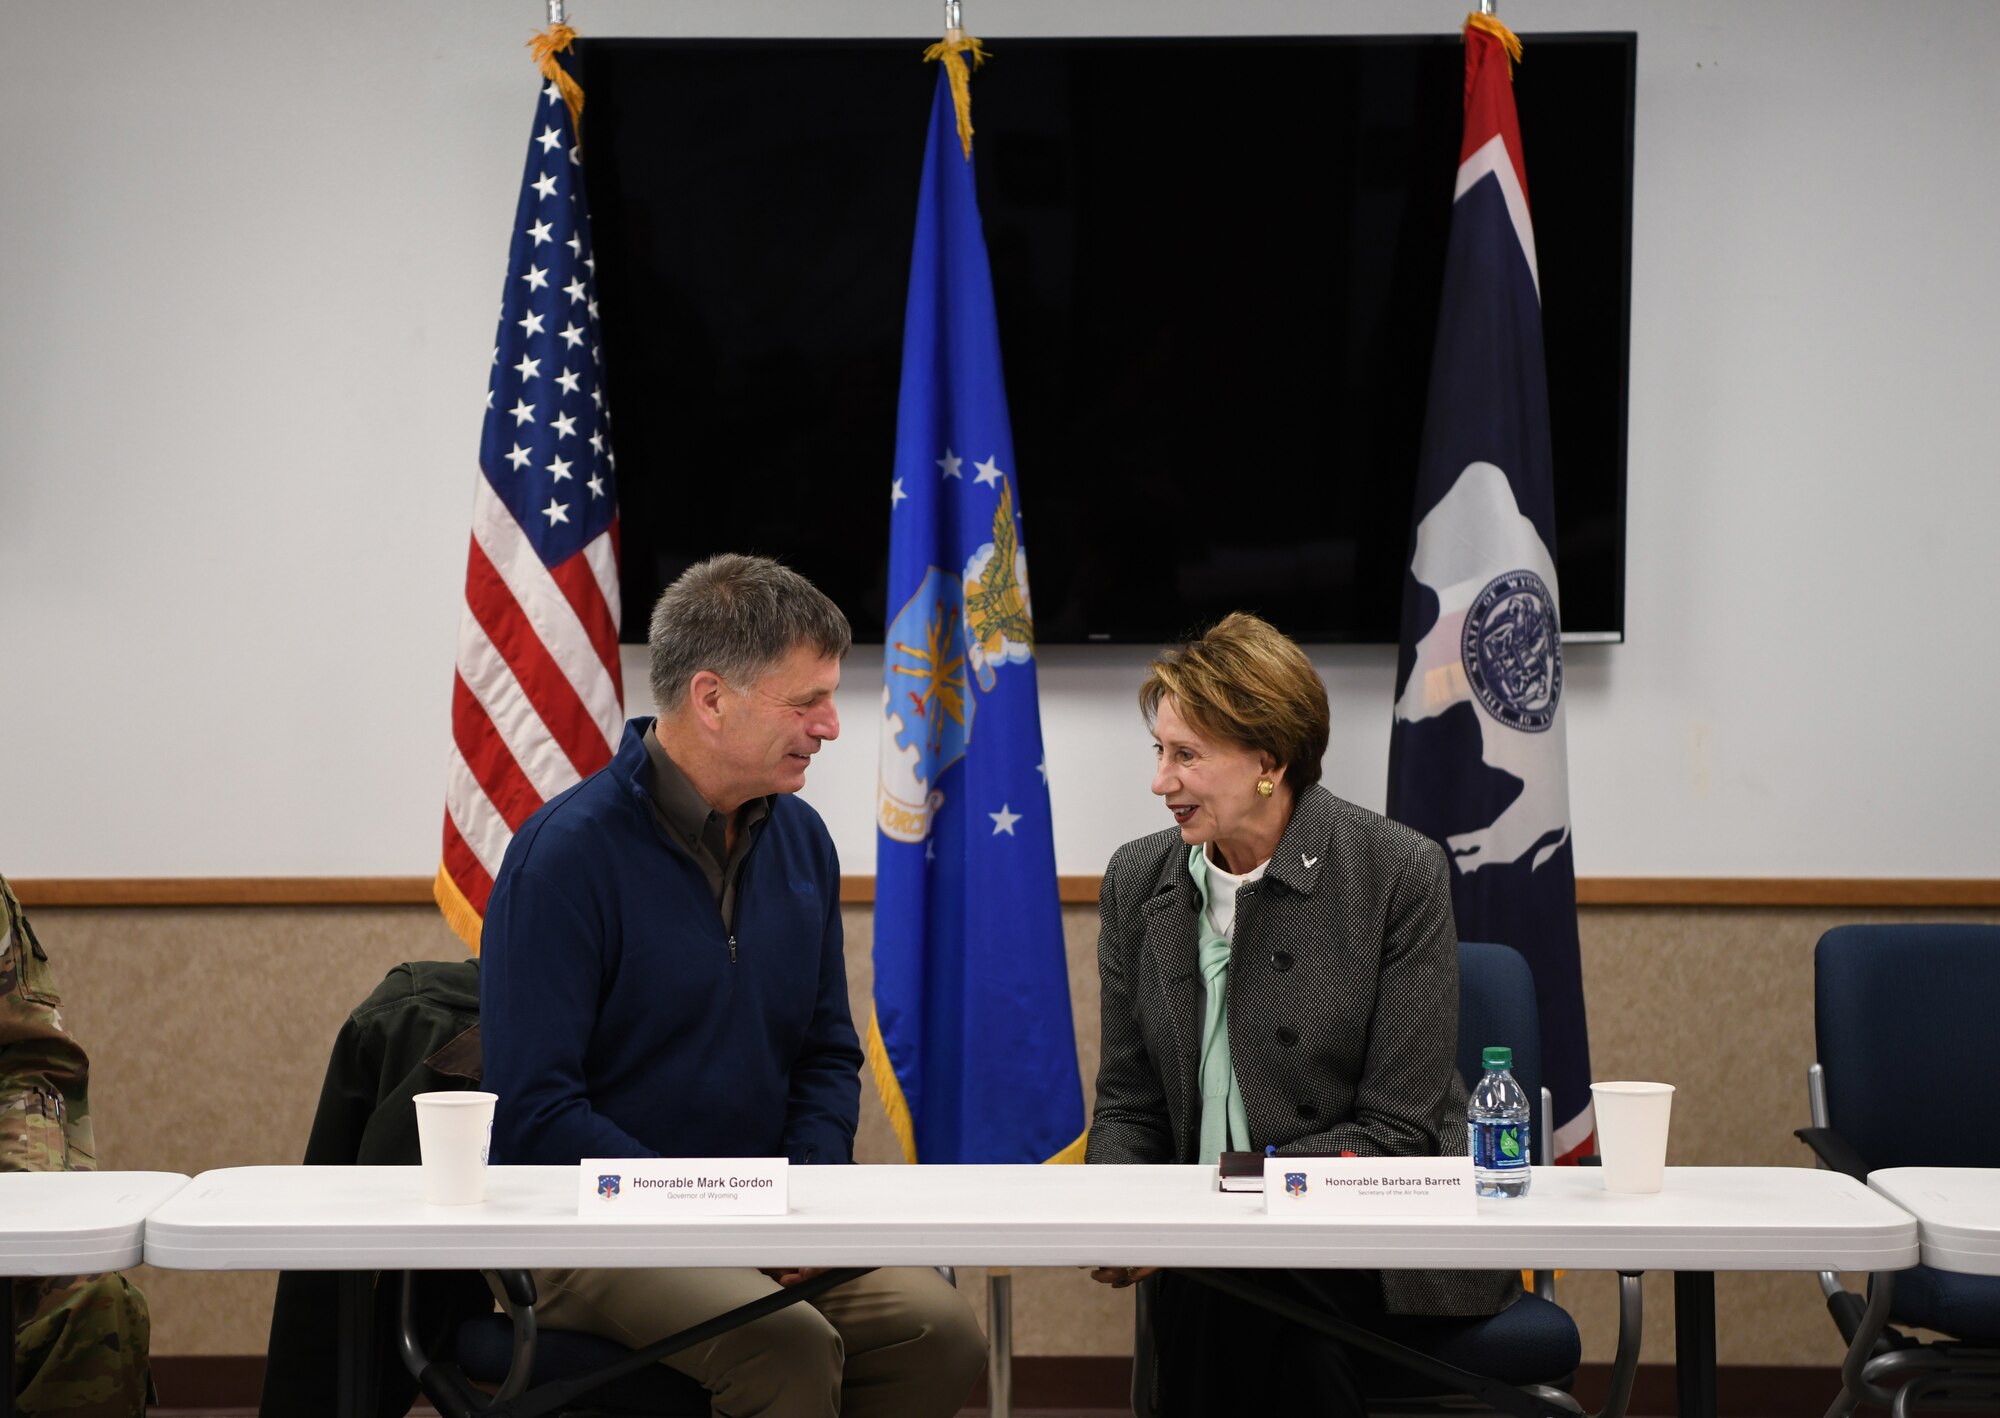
537,703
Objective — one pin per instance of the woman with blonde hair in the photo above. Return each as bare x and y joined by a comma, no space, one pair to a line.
1279,969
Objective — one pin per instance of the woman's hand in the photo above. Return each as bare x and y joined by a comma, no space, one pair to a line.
790,1275
1120,1276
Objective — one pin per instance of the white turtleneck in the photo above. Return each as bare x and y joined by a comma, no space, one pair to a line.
1222,889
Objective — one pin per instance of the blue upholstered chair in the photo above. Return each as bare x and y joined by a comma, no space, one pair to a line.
509,1354
1904,1022
1531,1345
565,1369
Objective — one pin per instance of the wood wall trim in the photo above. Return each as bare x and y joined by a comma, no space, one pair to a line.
224,891
1847,893
1838,891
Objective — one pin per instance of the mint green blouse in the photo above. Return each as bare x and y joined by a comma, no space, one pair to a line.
1224,1125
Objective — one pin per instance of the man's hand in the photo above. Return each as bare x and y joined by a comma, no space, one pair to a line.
1120,1276
790,1276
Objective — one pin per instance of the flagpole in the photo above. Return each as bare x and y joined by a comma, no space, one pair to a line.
999,1280
556,12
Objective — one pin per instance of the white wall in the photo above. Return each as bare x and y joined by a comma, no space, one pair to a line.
252,253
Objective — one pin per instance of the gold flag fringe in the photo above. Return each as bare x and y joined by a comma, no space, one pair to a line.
949,49
458,912
898,1107
545,47
1508,41
891,1089
1073,1154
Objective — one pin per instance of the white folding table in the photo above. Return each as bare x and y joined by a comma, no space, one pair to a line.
1957,1211
1707,1219
69,1223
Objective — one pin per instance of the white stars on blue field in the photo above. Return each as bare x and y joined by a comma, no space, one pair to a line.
541,454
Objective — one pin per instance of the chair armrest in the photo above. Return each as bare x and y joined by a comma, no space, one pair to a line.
1834,1150
515,1290
518,1286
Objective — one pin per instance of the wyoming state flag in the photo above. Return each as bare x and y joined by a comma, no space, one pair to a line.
1477,756
971,1040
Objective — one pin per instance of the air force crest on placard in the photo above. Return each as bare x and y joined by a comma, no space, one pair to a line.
1512,652
1295,1184
607,1186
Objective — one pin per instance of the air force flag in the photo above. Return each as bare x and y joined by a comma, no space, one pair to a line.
1476,753
971,1042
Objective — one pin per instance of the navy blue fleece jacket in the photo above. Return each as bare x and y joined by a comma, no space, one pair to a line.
613,1018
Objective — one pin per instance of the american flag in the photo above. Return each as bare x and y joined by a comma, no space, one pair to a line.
537,701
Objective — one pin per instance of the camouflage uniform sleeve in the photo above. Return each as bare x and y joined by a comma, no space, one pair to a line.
44,1073
82,1346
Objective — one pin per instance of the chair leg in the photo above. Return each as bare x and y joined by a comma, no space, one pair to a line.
1631,1329
1881,1293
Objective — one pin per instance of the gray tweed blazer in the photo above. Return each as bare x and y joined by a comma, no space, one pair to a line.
1343,1010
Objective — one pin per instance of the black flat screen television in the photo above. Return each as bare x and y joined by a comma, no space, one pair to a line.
1216,264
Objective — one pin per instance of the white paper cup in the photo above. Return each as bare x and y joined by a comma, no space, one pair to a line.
1632,1133
454,1130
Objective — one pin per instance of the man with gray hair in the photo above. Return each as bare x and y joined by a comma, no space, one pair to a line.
662,975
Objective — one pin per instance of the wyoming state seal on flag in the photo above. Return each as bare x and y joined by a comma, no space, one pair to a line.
971,1042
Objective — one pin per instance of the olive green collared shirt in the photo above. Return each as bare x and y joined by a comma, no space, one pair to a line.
700,829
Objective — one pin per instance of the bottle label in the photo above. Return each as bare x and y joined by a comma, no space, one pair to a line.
1499,1147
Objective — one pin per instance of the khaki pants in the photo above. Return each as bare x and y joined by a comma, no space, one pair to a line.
892,1344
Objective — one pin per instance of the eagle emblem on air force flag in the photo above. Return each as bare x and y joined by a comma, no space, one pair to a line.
996,597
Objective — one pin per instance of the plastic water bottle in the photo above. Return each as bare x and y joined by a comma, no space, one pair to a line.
1496,1126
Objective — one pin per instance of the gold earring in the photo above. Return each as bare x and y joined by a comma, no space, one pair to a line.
1265,787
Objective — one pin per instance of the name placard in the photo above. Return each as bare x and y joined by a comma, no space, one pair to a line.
682,1186
1369,1186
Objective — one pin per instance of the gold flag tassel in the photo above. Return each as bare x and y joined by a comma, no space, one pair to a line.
955,44
1508,41
545,47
